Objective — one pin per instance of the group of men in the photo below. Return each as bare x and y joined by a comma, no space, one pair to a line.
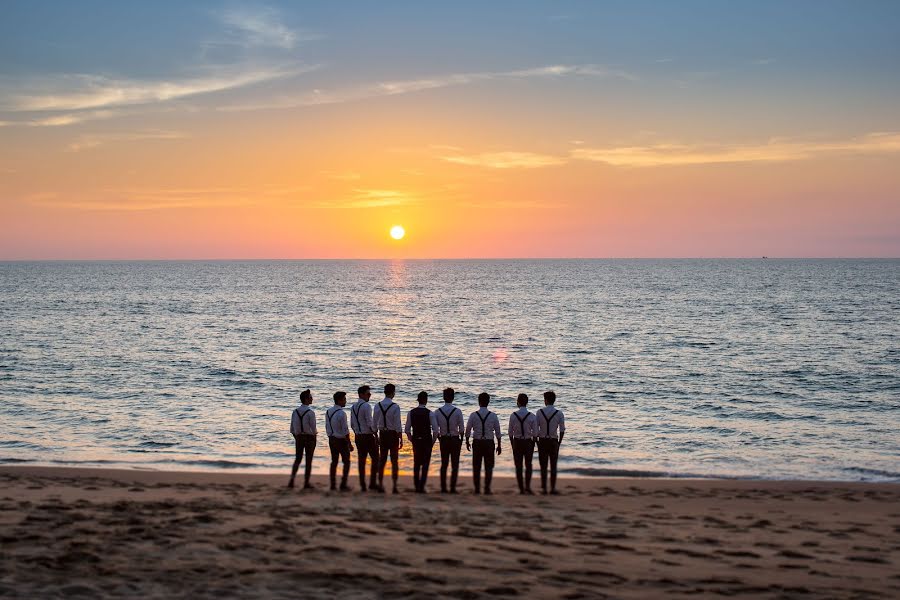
378,434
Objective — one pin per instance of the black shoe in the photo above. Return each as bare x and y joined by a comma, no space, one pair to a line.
554,493
543,492
308,486
477,492
488,493
528,492
291,484
333,488
344,487
395,490
443,490
453,491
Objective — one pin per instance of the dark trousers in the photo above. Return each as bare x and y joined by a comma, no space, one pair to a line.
367,447
523,451
548,450
389,444
421,461
450,449
340,447
303,444
482,450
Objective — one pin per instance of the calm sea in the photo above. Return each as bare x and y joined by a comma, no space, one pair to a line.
741,368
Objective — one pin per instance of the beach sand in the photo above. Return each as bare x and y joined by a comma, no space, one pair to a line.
102,533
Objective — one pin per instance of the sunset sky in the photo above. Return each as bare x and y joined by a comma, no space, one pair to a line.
509,129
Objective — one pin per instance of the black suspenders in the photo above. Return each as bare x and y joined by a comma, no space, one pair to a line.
447,418
522,423
543,414
330,416
297,410
483,420
384,412
356,414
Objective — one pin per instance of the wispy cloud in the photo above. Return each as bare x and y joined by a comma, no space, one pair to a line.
145,199
262,26
506,160
776,150
89,141
407,86
371,198
81,92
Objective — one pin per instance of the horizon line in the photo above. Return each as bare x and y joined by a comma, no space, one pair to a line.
472,258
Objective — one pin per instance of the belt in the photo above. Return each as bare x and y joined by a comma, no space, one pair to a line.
546,438
448,436
361,434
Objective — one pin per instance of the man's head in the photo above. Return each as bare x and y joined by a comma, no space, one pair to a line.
422,398
549,398
364,392
306,397
340,398
389,391
449,394
484,399
522,400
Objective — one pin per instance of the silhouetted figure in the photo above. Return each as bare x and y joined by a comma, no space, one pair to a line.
387,422
419,431
363,426
449,428
549,420
338,439
485,426
303,428
522,431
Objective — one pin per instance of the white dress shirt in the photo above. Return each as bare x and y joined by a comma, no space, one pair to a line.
449,421
361,417
387,416
303,420
408,428
491,425
549,419
336,422
522,424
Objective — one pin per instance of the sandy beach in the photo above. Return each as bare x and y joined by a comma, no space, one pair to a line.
104,533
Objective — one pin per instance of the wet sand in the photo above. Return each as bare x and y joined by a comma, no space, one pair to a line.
109,533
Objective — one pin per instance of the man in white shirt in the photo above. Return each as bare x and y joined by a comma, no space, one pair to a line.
387,422
549,419
363,426
449,428
521,437
338,439
420,433
483,423
303,428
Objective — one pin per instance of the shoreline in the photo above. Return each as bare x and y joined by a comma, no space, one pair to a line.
574,473
95,532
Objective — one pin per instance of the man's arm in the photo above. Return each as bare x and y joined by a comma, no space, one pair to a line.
469,425
498,434
346,430
562,427
408,428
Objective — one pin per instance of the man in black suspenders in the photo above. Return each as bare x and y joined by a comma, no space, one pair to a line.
387,421
486,426
419,429
549,420
522,432
448,425
303,428
338,439
363,426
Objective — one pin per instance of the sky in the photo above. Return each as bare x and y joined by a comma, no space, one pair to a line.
223,130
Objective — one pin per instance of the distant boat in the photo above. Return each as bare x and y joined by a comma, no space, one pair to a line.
765,257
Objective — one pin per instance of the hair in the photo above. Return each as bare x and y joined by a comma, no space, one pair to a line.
483,399
550,397
423,397
363,390
305,395
389,389
522,400
339,395
448,394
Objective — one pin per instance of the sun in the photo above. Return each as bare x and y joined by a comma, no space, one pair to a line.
397,232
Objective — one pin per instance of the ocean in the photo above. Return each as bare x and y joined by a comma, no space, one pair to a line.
774,369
